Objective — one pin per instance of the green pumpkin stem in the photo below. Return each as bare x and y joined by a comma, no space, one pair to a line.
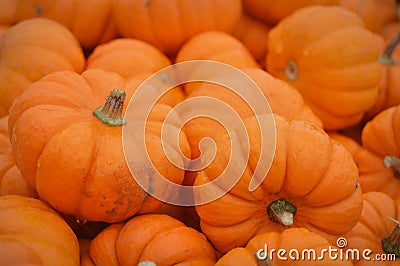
391,244
394,162
386,57
281,211
110,113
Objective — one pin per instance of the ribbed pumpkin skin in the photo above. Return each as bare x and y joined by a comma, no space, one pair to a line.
168,24
366,10
34,234
373,226
299,239
90,20
315,174
328,55
217,46
55,134
135,60
11,180
30,50
151,237
373,175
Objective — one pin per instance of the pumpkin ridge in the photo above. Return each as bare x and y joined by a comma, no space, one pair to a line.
85,177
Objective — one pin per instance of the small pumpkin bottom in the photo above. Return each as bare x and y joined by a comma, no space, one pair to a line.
391,244
392,162
292,70
110,113
386,57
281,211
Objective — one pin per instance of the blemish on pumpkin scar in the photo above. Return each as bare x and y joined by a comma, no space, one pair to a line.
111,212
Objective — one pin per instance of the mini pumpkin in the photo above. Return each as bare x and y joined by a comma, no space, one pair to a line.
389,87
253,34
373,175
366,9
312,183
135,60
32,233
381,137
376,231
331,58
68,145
301,247
90,21
155,239
168,24
11,180
217,46
30,50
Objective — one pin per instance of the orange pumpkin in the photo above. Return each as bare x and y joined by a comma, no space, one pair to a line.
294,241
389,87
135,60
271,12
376,231
373,175
168,24
155,238
253,34
30,50
328,55
367,10
312,183
32,233
60,127
217,46
11,180
90,20
381,136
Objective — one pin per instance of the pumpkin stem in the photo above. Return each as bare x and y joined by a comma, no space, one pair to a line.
291,70
394,162
386,57
146,263
281,211
391,244
262,261
111,112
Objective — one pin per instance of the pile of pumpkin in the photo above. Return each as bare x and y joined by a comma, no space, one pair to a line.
329,69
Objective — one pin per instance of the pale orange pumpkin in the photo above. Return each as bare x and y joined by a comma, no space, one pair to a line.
32,233
153,238
32,49
90,21
312,183
11,180
328,55
168,24
69,126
